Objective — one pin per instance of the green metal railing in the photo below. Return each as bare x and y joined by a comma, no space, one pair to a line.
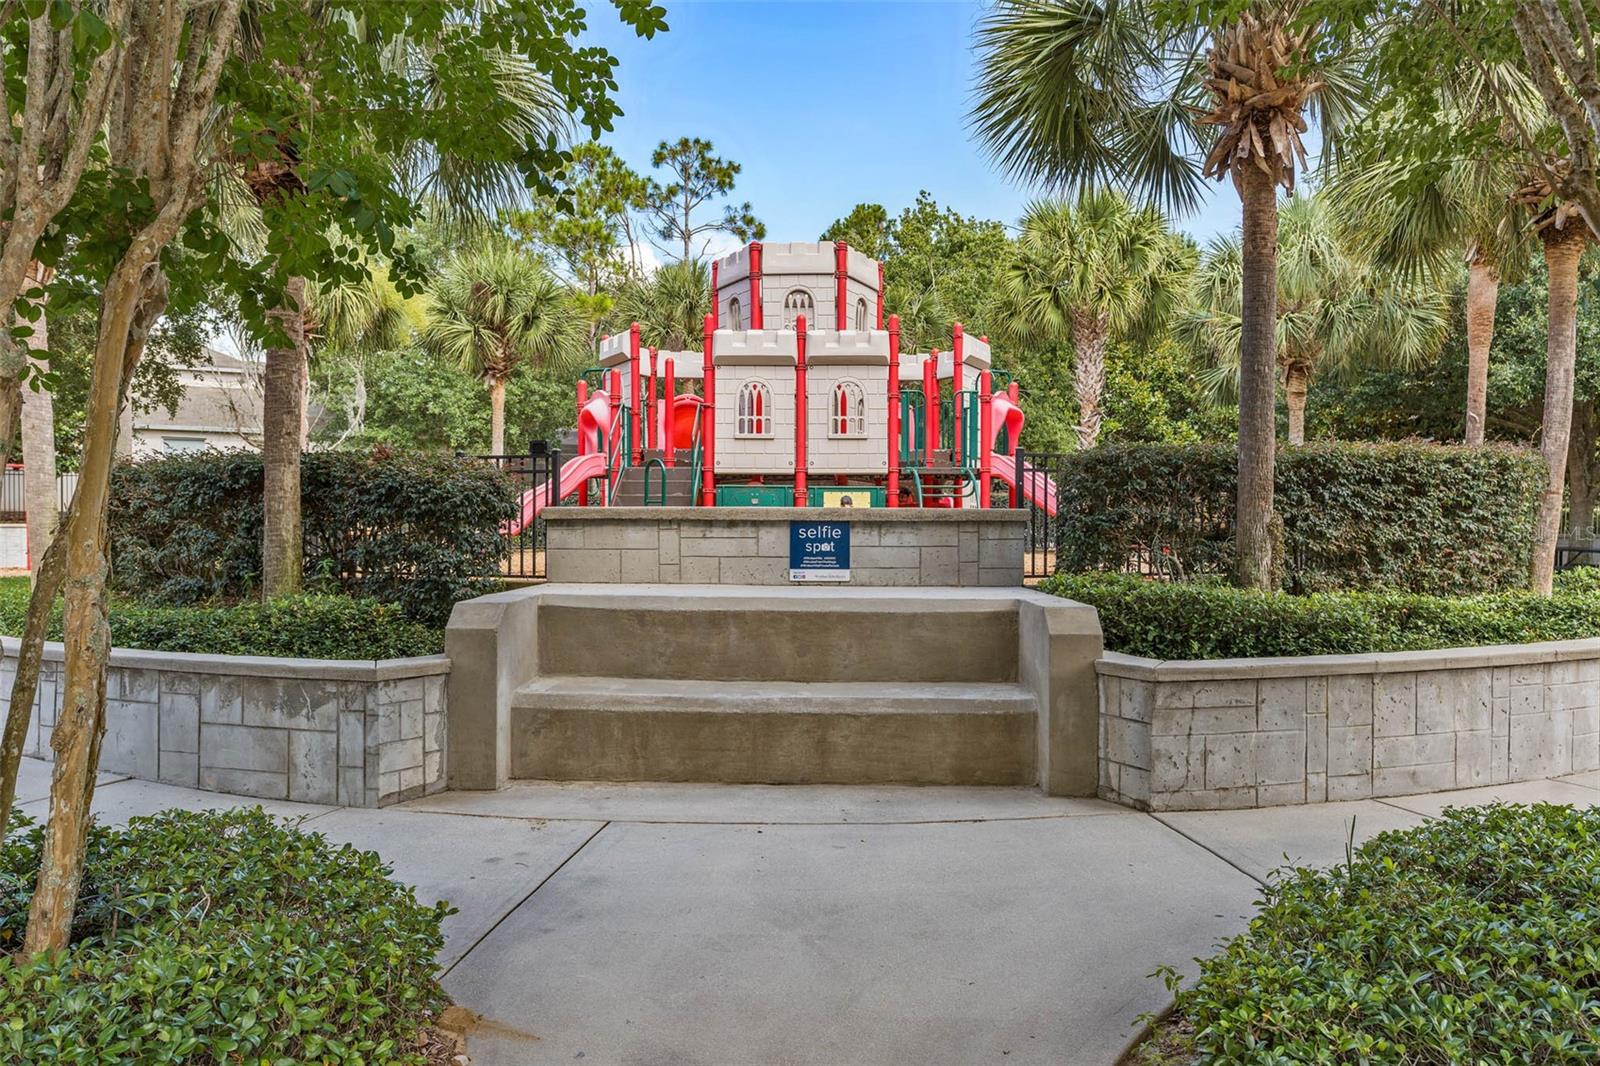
649,468
696,456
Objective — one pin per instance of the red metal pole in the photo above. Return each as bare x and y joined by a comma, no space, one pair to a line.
841,272
708,420
635,366
800,410
880,295
930,406
755,285
653,415
668,422
985,435
1014,391
716,311
583,445
893,489
956,342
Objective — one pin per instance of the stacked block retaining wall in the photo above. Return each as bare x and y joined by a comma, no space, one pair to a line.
361,734
750,545
1263,732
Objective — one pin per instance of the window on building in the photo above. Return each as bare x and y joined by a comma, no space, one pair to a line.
183,444
861,315
848,415
735,314
755,410
798,303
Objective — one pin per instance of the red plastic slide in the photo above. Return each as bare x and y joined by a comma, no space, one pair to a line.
1037,486
595,418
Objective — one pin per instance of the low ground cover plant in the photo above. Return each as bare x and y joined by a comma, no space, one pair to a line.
1211,620
303,627
1473,938
219,937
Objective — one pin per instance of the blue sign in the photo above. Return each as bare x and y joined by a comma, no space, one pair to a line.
819,551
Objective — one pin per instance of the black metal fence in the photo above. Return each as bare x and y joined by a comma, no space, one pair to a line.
541,463
1037,474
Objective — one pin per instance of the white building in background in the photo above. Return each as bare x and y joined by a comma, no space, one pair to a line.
220,408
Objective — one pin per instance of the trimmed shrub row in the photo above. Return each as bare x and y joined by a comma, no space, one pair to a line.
219,937
1471,938
421,531
1422,518
1209,620
303,627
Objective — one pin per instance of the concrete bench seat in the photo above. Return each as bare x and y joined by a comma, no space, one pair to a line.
778,732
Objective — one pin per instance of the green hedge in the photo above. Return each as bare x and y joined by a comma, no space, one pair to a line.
1474,938
1209,620
1417,517
421,531
301,627
219,937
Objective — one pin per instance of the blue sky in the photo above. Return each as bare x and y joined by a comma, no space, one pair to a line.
825,104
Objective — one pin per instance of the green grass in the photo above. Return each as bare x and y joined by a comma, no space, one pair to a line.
302,627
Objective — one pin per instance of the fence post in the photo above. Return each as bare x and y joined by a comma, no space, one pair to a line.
1016,476
554,474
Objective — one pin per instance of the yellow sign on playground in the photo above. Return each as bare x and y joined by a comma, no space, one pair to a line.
846,496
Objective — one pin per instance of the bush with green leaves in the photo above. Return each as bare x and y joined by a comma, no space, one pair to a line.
1210,620
1474,938
418,530
1417,517
223,936
299,627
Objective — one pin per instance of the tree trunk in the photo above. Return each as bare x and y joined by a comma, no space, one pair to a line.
1258,379
47,575
1296,384
39,443
1483,290
282,429
497,416
1562,248
1089,330
1581,470
130,304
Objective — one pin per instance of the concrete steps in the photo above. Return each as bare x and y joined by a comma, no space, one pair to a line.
566,728
809,636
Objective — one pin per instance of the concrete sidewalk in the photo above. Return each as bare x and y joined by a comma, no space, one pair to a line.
748,924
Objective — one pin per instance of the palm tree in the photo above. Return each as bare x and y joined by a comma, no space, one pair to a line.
1434,212
461,187
1337,312
1084,271
351,321
1078,92
1564,236
669,305
493,309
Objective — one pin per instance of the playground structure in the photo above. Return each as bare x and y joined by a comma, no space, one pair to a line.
774,411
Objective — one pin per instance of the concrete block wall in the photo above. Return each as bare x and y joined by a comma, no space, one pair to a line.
750,545
359,734
1260,733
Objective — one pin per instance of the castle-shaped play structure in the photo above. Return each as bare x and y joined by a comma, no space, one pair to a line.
799,397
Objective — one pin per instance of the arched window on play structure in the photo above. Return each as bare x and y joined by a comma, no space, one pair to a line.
735,314
755,410
847,417
861,315
798,303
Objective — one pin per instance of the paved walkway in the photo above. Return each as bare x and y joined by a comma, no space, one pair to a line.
740,925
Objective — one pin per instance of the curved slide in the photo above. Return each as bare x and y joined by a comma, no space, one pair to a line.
595,418
1037,486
